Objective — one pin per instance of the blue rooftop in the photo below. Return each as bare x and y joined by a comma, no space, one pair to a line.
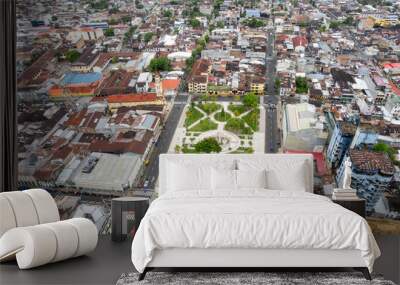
80,78
148,122
253,13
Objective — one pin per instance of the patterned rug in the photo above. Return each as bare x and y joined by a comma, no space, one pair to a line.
243,278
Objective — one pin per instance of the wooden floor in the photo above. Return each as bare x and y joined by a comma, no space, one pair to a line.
110,260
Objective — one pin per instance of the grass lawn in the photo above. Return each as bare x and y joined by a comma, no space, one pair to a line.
252,119
222,116
204,125
209,107
237,126
192,115
237,109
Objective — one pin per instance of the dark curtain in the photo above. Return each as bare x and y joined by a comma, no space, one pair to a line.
8,127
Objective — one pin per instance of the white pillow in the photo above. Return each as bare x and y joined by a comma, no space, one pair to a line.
296,182
188,177
223,179
251,178
282,173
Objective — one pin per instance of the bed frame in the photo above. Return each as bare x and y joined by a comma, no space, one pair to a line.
256,259
242,259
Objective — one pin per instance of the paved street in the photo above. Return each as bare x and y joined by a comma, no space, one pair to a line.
271,100
162,145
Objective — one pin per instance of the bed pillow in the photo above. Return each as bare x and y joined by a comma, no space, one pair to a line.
251,179
282,174
296,182
223,179
183,177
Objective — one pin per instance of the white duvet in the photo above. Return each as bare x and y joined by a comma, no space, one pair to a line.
250,219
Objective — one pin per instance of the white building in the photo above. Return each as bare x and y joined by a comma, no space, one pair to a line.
143,81
103,172
303,128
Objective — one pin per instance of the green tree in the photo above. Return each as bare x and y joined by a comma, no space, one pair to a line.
382,147
349,21
167,13
208,145
334,25
148,36
99,5
194,23
114,59
254,23
220,24
250,100
301,85
109,32
54,18
72,55
161,63
190,62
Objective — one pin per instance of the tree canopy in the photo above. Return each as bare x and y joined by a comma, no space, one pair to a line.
109,32
382,147
301,85
250,100
194,23
148,36
167,13
72,55
161,63
208,145
254,22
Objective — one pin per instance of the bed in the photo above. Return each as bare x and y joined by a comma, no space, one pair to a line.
247,211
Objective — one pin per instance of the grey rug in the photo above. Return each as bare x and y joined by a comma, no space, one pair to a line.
243,278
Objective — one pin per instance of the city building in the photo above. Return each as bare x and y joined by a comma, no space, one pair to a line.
371,175
339,143
104,172
303,128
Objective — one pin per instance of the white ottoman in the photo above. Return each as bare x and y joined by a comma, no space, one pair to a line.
37,245
32,233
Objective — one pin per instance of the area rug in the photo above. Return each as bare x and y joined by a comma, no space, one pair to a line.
244,278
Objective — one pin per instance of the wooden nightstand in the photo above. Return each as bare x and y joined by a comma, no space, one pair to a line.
357,205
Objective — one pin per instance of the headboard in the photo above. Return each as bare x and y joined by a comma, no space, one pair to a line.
214,159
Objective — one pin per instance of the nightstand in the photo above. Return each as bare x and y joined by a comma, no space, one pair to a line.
126,214
357,205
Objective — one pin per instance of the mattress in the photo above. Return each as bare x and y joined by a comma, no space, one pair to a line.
250,219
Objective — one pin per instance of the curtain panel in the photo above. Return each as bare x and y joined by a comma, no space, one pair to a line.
8,100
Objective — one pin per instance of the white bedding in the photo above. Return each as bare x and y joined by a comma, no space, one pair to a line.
251,218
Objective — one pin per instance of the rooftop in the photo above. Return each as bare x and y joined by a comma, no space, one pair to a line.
370,161
347,128
110,173
75,78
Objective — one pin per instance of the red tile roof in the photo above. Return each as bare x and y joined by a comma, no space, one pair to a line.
300,41
395,89
370,161
132,97
170,84
392,65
